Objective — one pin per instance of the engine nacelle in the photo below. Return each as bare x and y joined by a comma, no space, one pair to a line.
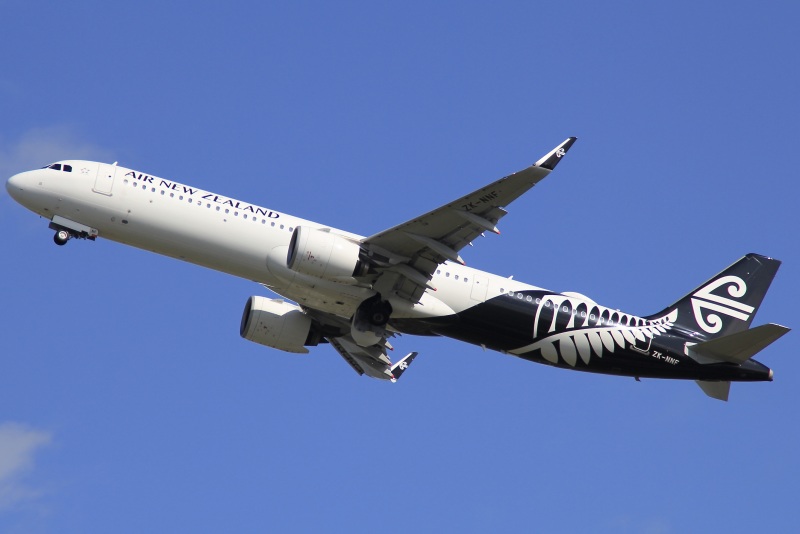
277,324
324,255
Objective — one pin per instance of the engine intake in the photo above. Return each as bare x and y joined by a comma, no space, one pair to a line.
277,324
324,255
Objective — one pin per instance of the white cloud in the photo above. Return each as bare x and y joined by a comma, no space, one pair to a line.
40,146
18,445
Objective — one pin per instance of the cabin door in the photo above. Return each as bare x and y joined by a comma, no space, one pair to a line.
105,179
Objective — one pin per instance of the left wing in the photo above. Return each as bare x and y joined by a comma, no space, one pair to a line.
372,361
409,253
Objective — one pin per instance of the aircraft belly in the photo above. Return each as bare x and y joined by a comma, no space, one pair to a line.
495,324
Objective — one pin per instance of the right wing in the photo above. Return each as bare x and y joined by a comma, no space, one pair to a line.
411,252
406,256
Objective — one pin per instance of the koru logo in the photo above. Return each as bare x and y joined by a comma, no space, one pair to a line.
705,301
402,365
560,152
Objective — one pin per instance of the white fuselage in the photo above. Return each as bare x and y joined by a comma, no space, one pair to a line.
224,234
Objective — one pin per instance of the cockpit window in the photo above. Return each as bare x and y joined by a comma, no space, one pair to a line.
59,167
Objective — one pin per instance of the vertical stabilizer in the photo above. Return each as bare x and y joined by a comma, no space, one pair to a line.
726,303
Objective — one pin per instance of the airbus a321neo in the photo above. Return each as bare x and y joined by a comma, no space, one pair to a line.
357,292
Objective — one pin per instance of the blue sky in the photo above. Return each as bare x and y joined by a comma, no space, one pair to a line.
128,401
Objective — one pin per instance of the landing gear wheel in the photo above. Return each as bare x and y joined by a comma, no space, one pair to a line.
373,313
379,313
61,237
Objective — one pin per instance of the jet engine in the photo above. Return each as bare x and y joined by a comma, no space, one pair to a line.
324,255
278,324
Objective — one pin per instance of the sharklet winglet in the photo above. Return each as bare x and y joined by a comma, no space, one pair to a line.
400,367
550,160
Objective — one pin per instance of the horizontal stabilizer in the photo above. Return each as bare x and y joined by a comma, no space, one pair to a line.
737,348
715,390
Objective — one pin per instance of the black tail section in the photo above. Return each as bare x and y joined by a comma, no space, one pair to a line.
727,303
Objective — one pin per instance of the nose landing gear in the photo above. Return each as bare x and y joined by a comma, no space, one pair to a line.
61,237
66,230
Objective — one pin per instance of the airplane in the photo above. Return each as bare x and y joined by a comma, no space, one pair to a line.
357,292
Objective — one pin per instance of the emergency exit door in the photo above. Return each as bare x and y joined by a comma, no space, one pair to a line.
479,286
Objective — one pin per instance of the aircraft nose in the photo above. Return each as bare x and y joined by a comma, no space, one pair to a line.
14,186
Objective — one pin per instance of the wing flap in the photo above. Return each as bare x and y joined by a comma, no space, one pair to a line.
346,355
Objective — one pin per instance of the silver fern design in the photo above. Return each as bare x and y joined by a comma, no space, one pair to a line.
590,329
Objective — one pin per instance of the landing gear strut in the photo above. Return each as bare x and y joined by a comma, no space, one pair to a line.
66,230
61,237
